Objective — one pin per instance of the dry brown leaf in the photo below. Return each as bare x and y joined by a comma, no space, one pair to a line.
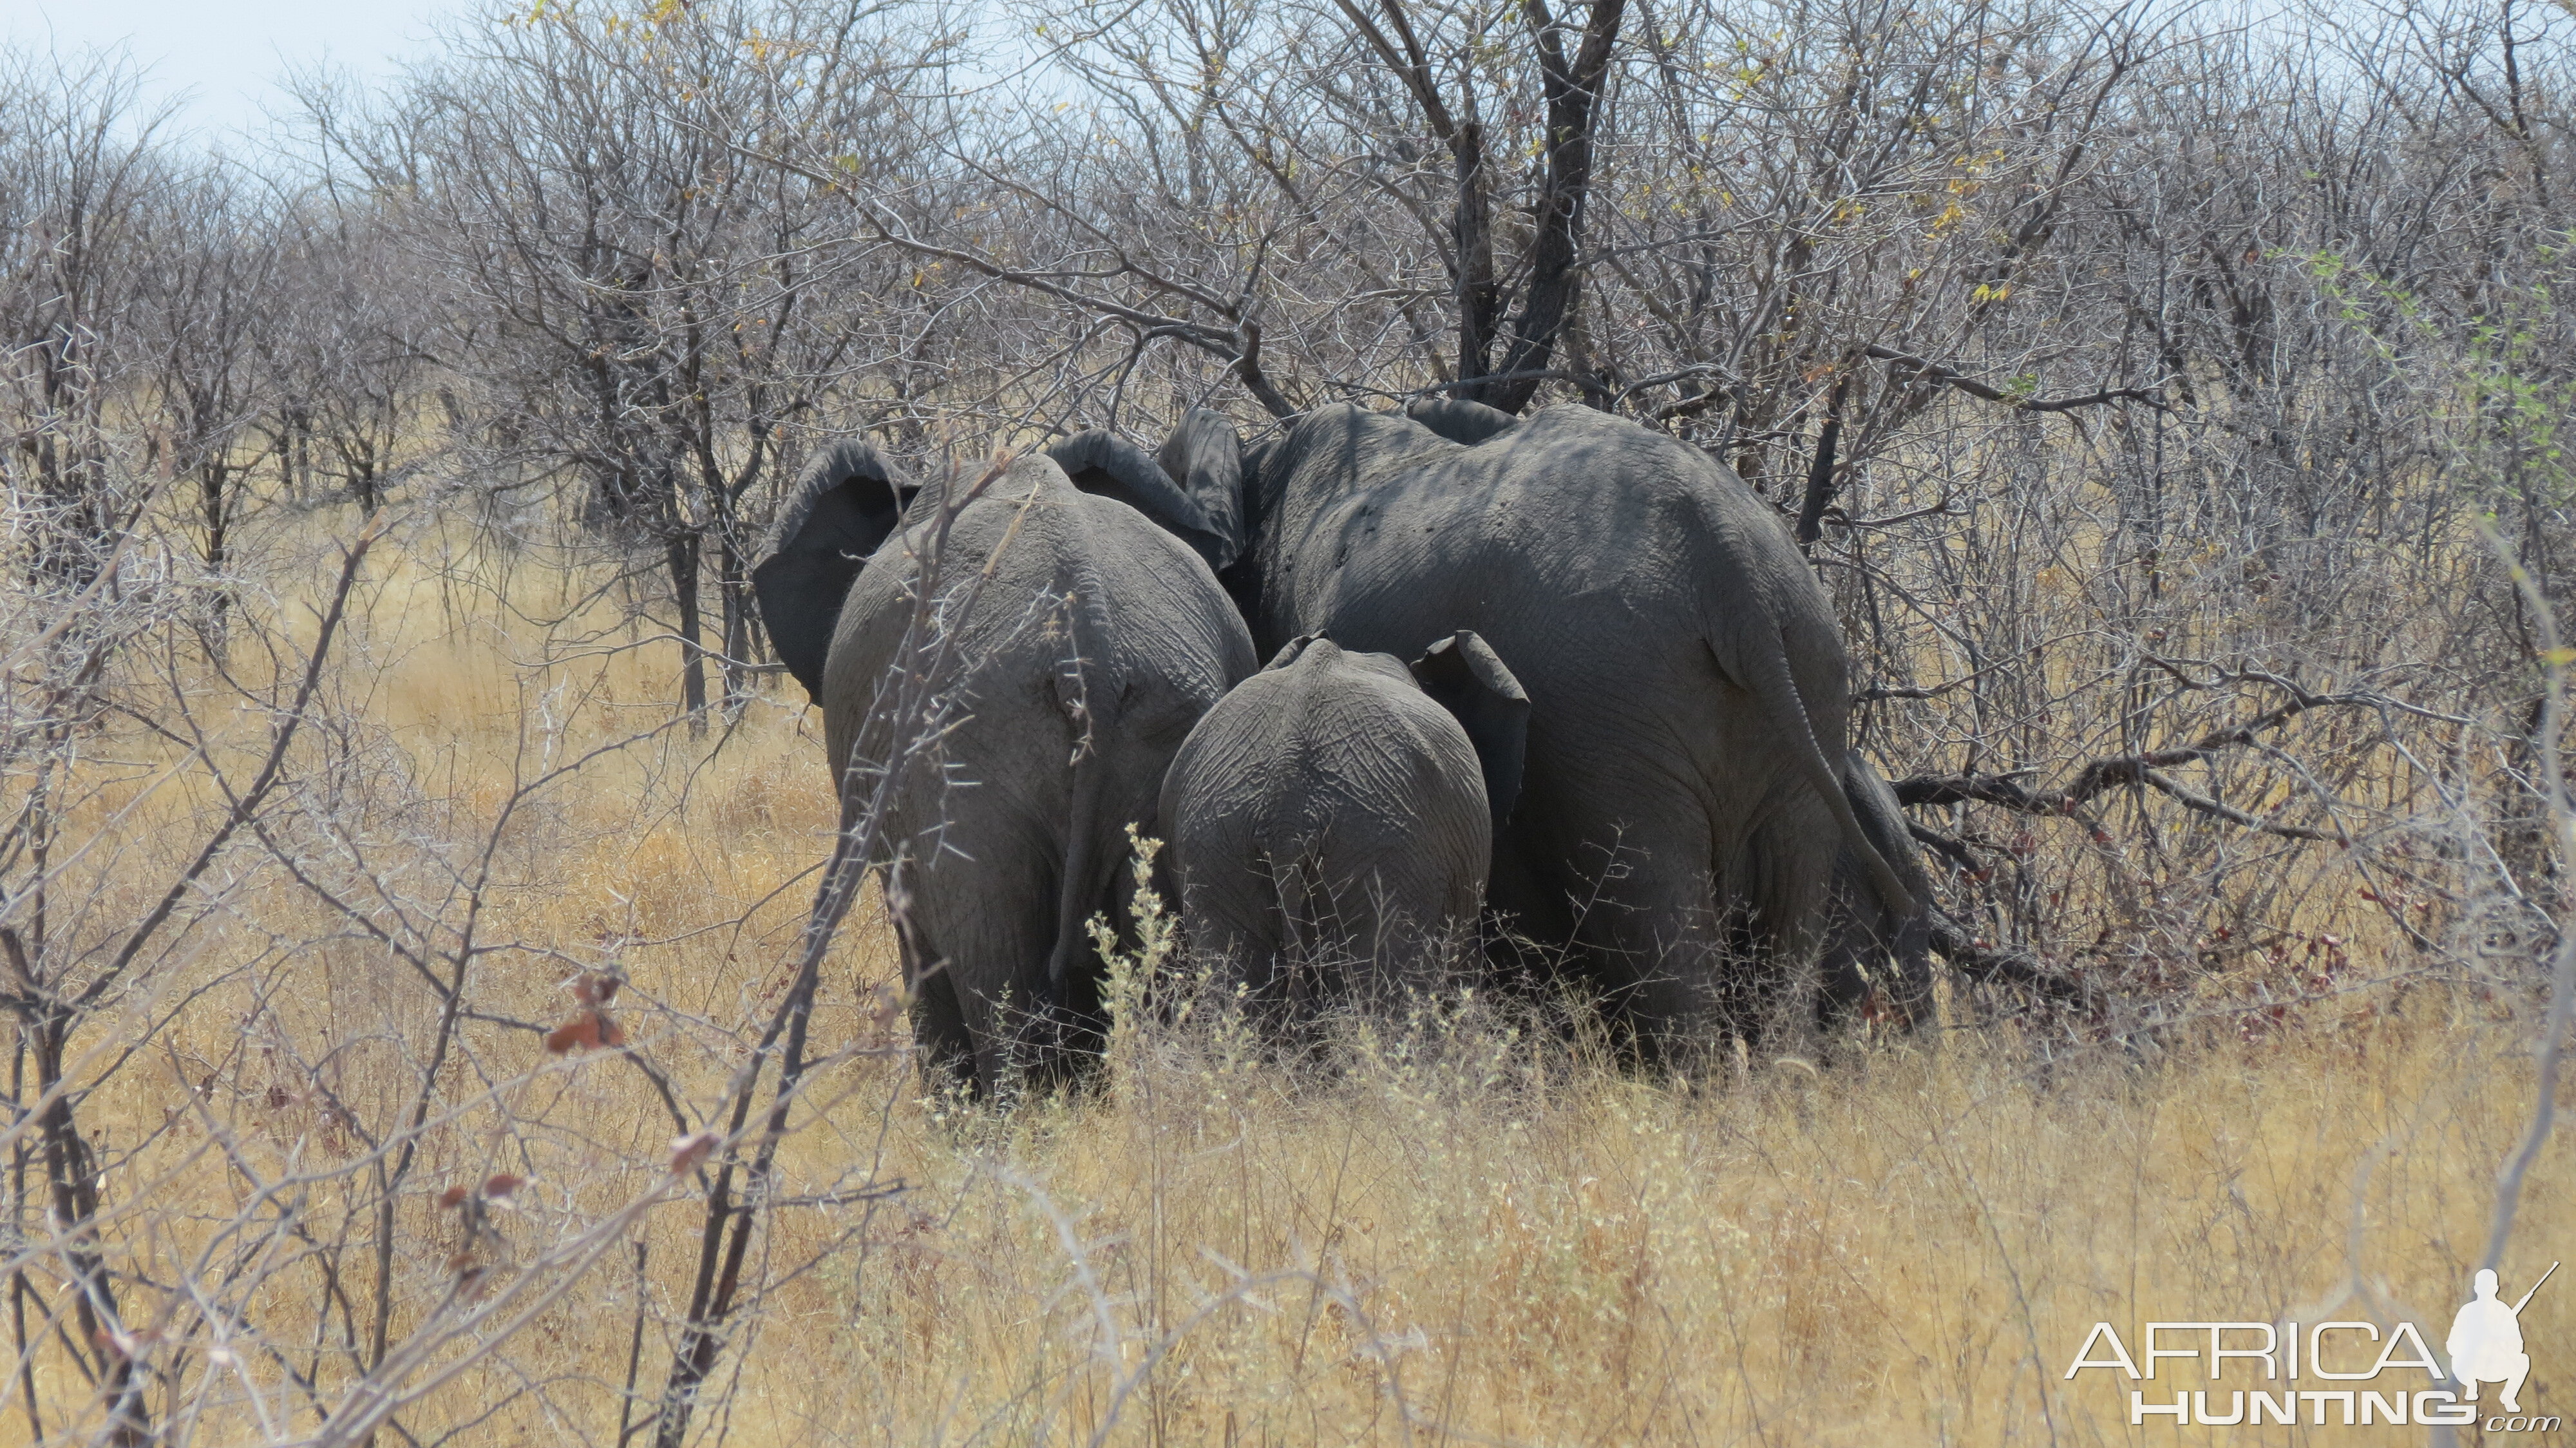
688,1151
588,1030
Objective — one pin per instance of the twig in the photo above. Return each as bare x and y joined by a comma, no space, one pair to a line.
1941,372
1974,957
2138,769
634,1351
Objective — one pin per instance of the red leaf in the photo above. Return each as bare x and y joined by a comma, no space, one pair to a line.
502,1185
588,1030
1878,1009
454,1196
688,1151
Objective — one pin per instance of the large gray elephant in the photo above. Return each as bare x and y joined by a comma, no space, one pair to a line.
1329,824
1683,798
1089,636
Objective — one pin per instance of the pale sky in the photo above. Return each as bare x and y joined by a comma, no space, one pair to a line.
225,55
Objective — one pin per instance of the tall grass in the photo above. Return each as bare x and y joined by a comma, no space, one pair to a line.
1461,1227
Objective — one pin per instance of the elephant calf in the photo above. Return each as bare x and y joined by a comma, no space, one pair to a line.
1334,815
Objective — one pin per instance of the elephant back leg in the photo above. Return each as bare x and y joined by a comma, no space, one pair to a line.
1638,903
1783,883
1220,859
944,1047
1683,880
1231,930
990,917
1397,908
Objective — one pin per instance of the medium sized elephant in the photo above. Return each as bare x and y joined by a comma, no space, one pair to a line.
1084,635
1877,961
1330,823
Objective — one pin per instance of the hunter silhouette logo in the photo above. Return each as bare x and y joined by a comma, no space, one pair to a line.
2486,1340
2365,1372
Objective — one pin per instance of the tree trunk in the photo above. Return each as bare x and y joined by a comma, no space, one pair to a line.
1573,106
680,549
211,479
1821,483
1480,297
72,1173
732,595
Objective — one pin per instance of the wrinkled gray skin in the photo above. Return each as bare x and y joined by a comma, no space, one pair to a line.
1876,961
1329,823
1683,799
1098,641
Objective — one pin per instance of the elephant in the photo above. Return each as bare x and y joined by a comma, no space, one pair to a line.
1877,961
1089,634
1330,822
1684,793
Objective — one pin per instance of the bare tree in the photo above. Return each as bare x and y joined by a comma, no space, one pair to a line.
81,168
208,299
648,305
346,351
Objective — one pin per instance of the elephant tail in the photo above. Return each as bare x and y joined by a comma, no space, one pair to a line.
1087,689
1768,670
1087,868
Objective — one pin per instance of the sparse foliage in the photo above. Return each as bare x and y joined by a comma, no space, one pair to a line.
438,1004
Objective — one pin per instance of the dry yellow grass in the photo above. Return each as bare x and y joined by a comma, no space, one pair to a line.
1464,1234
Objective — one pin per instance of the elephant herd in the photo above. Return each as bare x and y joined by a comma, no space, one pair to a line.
1560,686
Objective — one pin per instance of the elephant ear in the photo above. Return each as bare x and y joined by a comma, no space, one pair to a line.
1205,456
1463,675
1468,423
1105,464
841,510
